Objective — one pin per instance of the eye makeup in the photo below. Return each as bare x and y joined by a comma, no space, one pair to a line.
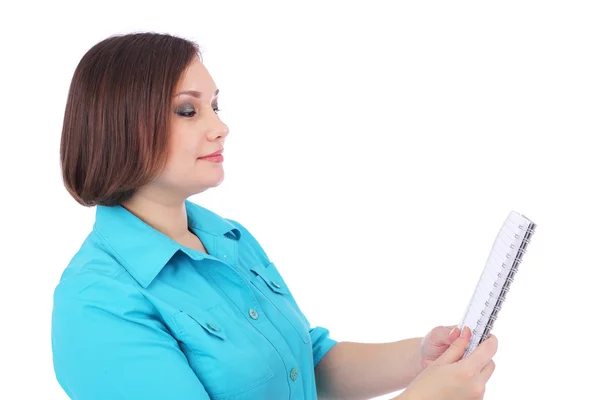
188,110
185,110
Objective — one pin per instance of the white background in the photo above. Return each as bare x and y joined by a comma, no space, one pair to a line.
375,150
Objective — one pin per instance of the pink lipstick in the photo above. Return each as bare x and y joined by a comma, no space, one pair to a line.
217,157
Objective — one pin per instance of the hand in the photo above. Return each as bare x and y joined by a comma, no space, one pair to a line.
436,342
452,378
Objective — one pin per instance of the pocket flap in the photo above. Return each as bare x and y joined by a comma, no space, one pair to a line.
205,319
270,277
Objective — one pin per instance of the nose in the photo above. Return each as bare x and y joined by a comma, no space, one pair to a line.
219,131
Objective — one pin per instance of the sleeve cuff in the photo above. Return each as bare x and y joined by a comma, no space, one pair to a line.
321,343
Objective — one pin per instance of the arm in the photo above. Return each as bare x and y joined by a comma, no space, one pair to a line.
361,370
108,344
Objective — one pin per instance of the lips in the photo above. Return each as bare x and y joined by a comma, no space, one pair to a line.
216,153
216,157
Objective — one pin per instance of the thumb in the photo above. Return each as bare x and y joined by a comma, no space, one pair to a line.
457,349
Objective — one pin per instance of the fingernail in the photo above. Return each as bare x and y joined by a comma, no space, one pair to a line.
452,331
463,333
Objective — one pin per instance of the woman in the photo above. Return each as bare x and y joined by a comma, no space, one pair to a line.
167,300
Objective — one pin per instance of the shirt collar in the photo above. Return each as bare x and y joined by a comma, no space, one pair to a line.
143,250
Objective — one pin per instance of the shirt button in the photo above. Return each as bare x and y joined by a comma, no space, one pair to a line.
213,327
294,374
224,255
277,285
253,313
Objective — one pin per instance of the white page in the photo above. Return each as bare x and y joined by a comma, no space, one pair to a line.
493,278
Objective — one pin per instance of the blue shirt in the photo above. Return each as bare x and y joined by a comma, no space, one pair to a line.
138,316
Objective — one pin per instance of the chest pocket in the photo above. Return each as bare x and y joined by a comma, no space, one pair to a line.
223,357
268,280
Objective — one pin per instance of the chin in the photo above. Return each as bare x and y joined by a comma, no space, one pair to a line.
206,184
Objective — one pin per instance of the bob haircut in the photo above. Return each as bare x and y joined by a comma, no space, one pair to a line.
115,129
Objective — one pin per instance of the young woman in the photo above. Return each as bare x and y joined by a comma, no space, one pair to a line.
167,300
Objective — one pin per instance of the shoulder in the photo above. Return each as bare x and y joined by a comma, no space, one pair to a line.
92,275
249,246
238,225
248,240
221,224
91,260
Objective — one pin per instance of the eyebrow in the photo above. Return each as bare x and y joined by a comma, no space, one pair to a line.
195,93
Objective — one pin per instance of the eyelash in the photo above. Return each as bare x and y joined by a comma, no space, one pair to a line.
181,113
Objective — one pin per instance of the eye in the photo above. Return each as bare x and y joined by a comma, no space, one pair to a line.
216,108
186,110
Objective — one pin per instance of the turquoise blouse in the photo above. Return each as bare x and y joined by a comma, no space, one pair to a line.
138,316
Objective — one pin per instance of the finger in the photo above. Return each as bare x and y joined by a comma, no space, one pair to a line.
457,349
453,334
444,335
482,355
488,370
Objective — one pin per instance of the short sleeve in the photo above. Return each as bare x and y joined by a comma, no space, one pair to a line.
321,343
108,343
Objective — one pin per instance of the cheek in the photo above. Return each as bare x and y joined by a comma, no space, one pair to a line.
178,165
183,148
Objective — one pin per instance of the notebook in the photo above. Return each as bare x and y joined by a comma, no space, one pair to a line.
497,276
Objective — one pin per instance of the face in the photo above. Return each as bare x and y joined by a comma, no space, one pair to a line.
196,136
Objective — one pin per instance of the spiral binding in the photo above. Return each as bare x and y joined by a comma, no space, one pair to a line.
497,305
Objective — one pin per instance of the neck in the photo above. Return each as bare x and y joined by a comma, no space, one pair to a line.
168,216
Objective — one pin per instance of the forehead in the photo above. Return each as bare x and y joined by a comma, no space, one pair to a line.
197,77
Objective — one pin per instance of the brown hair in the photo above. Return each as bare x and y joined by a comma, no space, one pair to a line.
114,136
